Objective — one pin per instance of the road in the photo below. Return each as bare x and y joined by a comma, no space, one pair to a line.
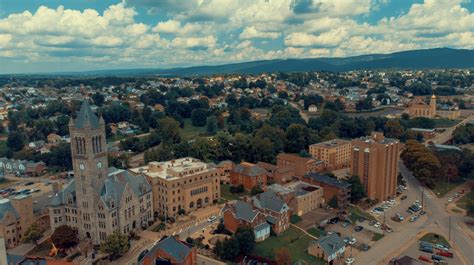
436,220
448,133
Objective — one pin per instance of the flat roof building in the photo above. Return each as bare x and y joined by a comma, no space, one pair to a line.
335,154
181,184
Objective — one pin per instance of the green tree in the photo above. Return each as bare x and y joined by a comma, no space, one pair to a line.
32,235
357,189
169,130
198,117
256,190
393,129
116,245
230,249
211,124
98,99
296,136
16,141
246,239
64,237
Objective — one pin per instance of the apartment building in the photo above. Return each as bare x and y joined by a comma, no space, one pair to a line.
335,154
181,184
16,216
375,161
300,165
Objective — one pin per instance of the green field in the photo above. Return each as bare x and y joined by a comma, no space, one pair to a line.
377,237
463,202
316,232
356,213
442,187
292,239
434,238
443,123
189,131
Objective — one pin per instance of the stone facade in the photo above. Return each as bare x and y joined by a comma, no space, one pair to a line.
100,200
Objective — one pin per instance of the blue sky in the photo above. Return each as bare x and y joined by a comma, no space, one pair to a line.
65,35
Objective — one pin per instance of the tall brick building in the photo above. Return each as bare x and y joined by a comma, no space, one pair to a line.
375,160
336,153
100,200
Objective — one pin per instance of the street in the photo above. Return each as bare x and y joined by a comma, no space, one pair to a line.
436,220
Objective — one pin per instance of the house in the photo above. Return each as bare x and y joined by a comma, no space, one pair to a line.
249,175
331,188
330,248
277,212
242,214
312,108
301,165
21,167
170,250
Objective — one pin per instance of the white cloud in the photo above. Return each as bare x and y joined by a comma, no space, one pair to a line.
189,43
170,26
325,39
252,33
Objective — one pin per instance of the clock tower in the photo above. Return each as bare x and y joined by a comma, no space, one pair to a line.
89,160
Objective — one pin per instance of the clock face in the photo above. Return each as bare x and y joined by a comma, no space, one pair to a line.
81,166
99,165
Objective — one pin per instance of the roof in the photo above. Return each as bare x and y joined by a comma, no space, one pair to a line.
270,200
175,248
295,157
5,207
60,197
330,243
249,170
262,226
328,180
86,117
333,143
244,211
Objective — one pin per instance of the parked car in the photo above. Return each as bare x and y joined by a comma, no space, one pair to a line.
442,247
349,261
445,254
424,258
364,247
142,254
211,218
436,257
361,219
358,228
345,224
425,244
450,199
426,249
403,197
29,183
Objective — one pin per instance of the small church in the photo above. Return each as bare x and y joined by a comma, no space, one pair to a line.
99,200
418,108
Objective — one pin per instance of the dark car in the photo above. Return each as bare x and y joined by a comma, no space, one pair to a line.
361,219
436,257
358,228
364,247
142,254
403,197
426,249
29,183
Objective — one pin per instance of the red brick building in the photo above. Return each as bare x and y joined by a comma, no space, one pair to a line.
249,175
242,214
277,212
331,187
280,175
170,250
300,165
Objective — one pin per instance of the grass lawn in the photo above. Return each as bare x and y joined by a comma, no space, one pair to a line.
292,239
357,213
116,137
226,194
5,183
462,203
377,237
442,187
316,232
189,131
434,238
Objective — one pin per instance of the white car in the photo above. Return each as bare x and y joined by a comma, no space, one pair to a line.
350,261
352,241
211,219
450,199
377,224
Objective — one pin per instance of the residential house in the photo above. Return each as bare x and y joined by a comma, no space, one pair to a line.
277,212
242,214
330,248
168,251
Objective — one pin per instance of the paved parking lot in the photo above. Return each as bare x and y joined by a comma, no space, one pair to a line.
414,252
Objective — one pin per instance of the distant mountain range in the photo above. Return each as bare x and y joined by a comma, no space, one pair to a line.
415,59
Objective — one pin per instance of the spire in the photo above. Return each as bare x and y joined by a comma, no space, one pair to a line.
86,117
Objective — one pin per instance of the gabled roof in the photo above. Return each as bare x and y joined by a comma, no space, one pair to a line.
60,197
330,243
86,117
270,200
328,180
175,248
244,211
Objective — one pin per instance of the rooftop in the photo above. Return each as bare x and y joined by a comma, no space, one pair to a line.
173,169
328,180
298,187
332,143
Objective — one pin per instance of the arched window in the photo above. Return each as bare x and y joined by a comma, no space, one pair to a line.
77,145
84,146
191,205
206,200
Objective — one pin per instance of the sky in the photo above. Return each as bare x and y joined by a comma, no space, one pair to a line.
78,35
